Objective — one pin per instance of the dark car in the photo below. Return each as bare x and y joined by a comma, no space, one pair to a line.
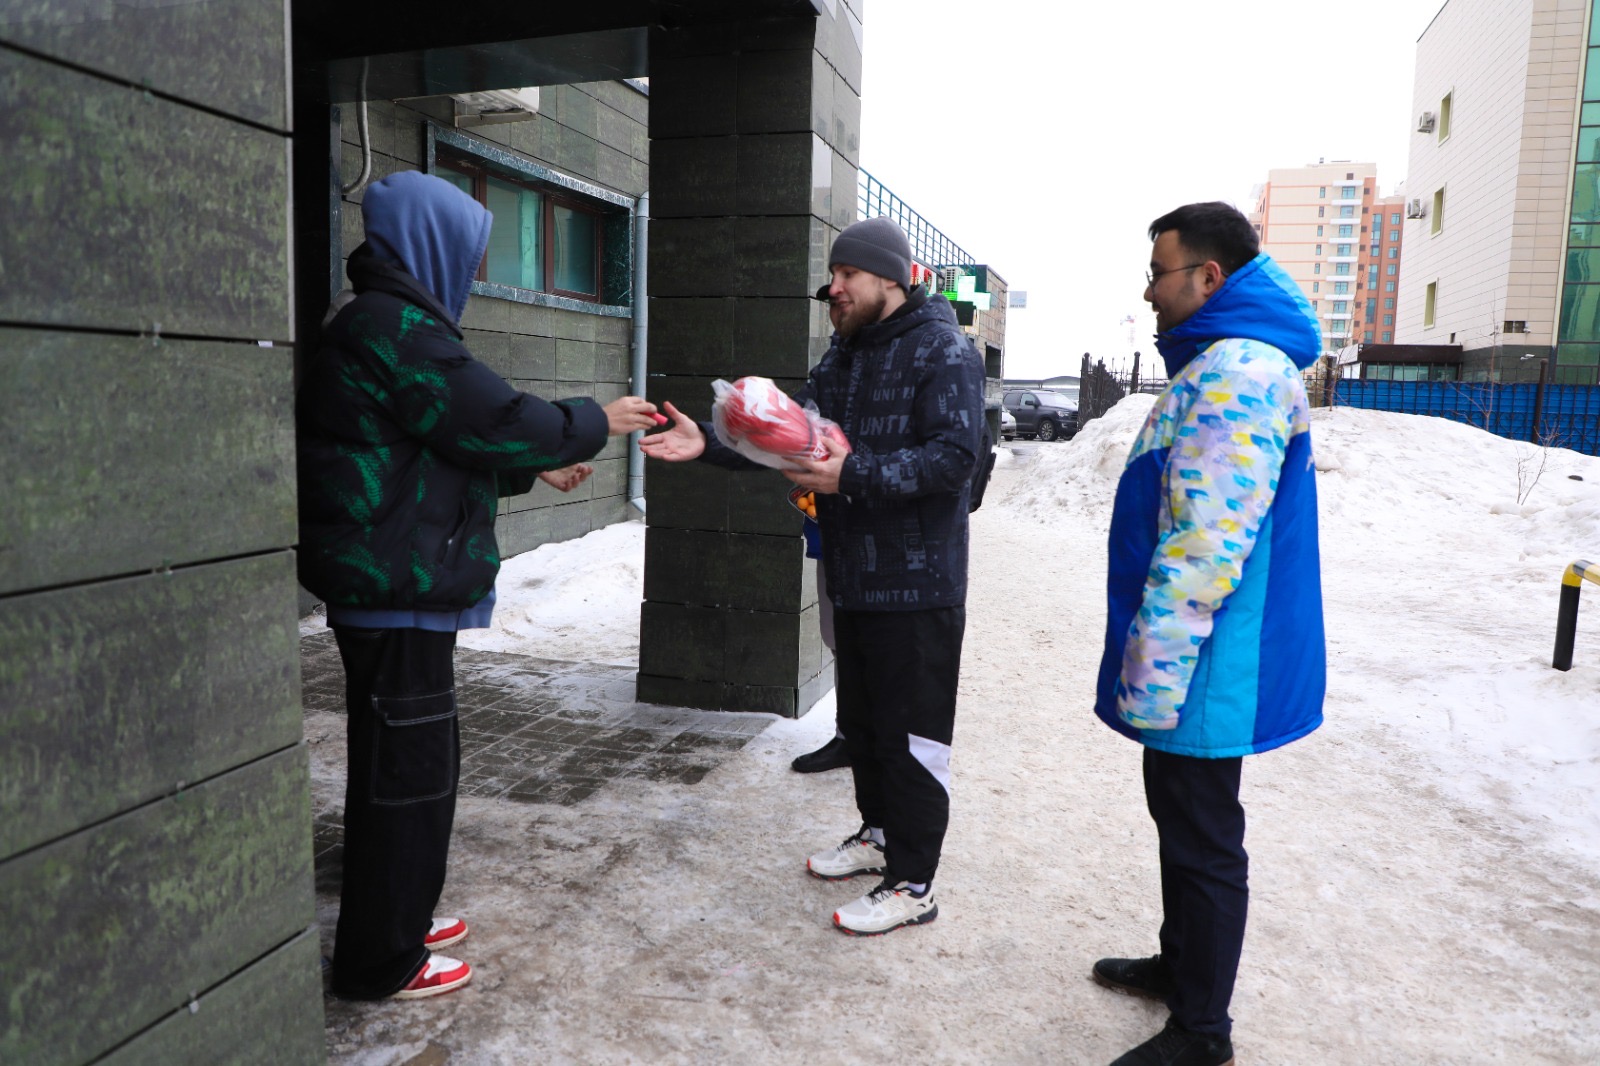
1042,414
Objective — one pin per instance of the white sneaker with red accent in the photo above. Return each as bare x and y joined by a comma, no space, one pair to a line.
440,974
445,931
858,854
884,908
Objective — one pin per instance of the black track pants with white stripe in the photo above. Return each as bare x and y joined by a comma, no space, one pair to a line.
896,677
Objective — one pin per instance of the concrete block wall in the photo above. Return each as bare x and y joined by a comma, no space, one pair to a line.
755,133
594,132
155,848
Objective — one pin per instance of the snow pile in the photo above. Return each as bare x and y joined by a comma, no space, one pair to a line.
1077,478
1443,548
577,600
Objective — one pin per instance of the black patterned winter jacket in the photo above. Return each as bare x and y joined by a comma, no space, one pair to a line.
908,393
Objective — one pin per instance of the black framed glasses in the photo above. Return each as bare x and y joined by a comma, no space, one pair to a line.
1151,277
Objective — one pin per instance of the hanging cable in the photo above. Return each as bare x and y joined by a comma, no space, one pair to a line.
366,141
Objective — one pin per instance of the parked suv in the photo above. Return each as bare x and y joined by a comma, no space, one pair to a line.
1042,414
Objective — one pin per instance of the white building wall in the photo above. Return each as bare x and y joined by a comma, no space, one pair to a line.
1511,68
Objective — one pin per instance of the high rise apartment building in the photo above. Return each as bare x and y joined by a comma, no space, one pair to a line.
1503,190
1329,229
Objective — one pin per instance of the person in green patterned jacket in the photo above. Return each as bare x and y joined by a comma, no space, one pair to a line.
406,442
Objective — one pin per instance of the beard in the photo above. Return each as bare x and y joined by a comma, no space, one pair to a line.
849,319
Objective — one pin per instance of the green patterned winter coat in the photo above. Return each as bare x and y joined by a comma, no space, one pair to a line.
405,444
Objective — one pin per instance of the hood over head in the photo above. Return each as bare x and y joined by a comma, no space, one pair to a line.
431,228
1258,302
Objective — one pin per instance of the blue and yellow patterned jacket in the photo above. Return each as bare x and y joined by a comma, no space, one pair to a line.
1214,642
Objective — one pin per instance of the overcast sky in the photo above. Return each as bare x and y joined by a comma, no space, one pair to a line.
1043,136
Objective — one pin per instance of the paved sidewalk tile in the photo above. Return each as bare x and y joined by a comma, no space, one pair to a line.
533,731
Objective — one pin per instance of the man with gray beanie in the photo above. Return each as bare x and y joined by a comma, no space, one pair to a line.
906,387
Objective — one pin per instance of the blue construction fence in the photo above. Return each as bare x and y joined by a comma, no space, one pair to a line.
1561,416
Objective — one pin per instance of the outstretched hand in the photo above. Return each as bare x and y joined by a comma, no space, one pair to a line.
820,475
677,444
568,477
629,413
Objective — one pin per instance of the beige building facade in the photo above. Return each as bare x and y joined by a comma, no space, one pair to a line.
1498,90
1316,221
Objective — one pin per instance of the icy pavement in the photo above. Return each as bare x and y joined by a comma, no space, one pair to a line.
1423,883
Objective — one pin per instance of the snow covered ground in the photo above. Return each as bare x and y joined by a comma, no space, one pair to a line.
1425,867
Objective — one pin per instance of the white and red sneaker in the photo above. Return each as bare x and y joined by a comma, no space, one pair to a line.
440,974
445,931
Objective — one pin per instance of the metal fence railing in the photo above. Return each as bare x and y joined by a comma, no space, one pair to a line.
1100,388
929,247
1562,416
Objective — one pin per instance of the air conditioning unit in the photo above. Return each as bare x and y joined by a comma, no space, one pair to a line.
496,106
1425,122
1414,209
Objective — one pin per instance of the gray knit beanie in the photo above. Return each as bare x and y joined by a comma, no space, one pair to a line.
877,246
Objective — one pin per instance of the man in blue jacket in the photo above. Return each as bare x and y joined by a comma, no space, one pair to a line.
906,386
1214,645
405,444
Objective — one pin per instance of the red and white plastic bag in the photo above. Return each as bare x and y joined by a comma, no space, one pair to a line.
759,421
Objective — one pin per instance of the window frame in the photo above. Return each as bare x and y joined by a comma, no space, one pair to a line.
449,149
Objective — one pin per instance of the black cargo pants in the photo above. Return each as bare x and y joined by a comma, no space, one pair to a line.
400,803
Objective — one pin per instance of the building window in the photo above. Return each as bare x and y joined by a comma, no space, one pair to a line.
1316,268
1372,310
1347,193
1373,250
1394,235
1341,306
1387,337
1316,286
1444,117
1347,212
1394,220
1342,249
541,241
1388,305
1394,253
1346,231
1323,192
1341,287
1388,286
1392,269
1388,320
1438,210
1313,305
1318,251
1367,337
1428,302
1320,210
1515,326
1319,231
1341,268
553,235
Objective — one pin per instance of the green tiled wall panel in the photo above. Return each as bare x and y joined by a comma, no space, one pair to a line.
128,211
116,692
230,55
130,454
127,919
281,995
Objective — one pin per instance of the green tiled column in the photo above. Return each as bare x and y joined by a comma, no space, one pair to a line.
155,825
755,128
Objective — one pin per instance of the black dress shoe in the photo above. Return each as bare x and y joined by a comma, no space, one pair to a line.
830,756
1136,977
1176,1046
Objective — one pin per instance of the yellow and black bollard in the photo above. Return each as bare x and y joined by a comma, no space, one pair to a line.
1567,616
